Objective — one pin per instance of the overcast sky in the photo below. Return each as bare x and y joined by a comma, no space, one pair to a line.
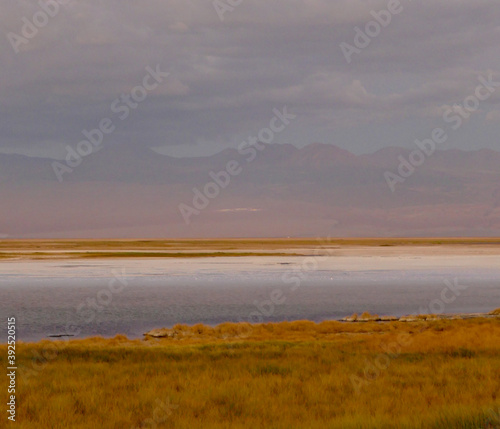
227,75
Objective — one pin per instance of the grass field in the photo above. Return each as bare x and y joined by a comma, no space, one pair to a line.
72,249
440,374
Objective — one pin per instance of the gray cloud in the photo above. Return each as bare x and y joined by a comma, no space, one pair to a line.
226,76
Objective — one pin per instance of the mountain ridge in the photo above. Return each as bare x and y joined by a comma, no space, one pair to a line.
285,191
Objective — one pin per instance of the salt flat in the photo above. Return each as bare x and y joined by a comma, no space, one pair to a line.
331,259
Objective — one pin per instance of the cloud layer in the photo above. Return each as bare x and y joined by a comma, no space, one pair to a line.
227,75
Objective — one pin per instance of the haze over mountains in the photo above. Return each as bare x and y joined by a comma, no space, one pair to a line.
319,190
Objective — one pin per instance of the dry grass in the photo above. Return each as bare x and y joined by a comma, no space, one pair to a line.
443,374
45,249
131,254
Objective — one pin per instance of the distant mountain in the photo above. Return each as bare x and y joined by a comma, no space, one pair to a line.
320,189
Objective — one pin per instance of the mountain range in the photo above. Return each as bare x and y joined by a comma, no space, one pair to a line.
319,190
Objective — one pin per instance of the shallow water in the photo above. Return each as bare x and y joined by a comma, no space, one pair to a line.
109,297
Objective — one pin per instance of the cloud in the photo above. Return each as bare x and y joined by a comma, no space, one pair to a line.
240,209
227,76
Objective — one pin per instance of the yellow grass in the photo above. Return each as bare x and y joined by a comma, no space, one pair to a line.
442,374
232,243
45,249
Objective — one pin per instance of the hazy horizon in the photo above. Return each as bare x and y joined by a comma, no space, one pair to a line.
148,120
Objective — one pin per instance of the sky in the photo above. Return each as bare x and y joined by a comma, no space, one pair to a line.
231,62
